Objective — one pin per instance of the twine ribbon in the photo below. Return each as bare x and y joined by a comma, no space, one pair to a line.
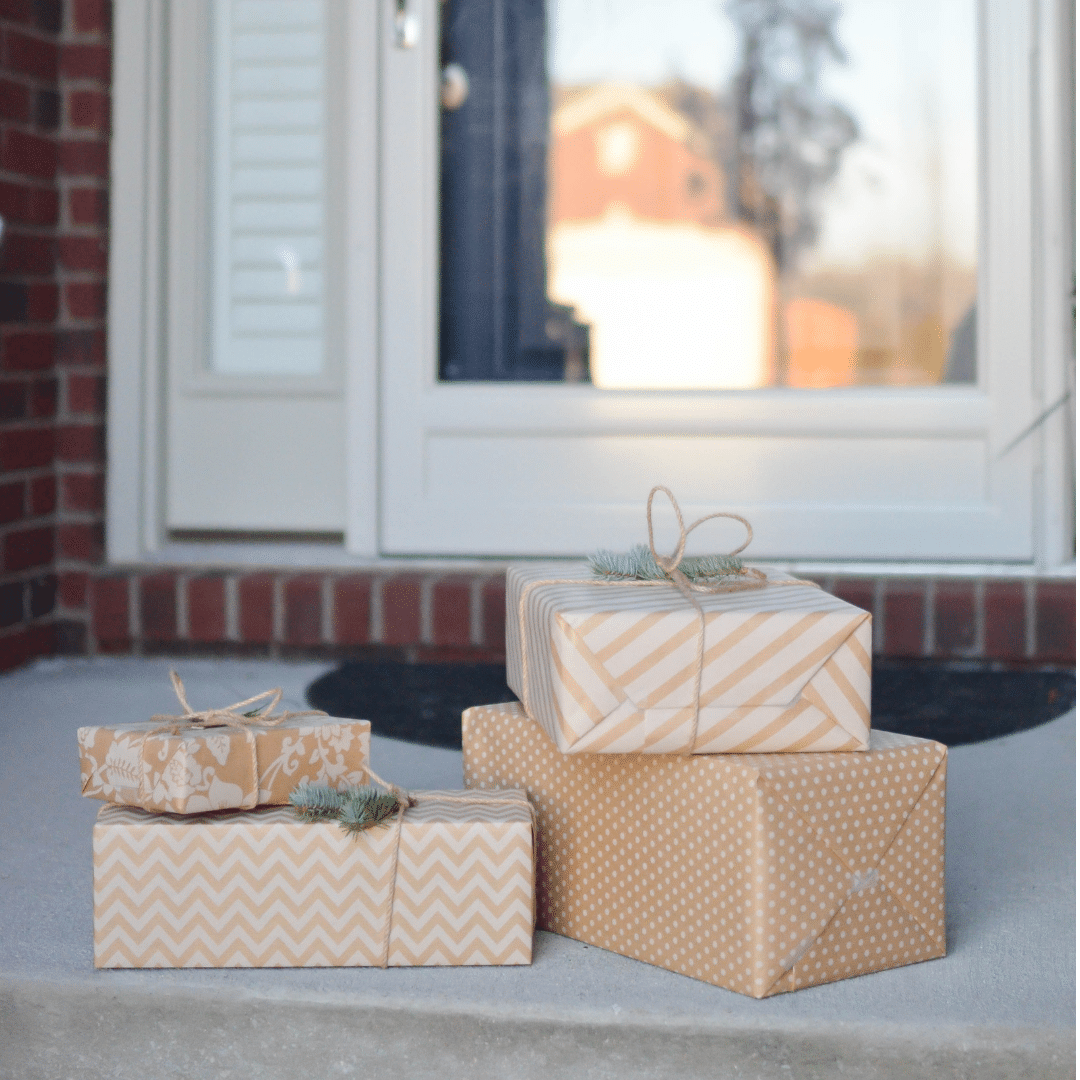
669,564
405,800
230,716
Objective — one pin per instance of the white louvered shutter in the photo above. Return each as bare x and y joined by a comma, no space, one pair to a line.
269,184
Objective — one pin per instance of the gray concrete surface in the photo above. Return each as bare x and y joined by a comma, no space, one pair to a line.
1001,1004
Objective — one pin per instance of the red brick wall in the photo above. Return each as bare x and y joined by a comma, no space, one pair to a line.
82,255
461,617
29,303
54,109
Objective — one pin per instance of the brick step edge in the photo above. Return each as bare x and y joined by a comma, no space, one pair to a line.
461,617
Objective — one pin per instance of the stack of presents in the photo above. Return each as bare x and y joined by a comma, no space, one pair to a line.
689,779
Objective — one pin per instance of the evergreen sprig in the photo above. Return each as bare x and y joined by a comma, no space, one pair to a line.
638,564
356,809
316,802
366,806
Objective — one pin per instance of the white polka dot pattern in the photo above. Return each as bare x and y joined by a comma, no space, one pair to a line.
761,873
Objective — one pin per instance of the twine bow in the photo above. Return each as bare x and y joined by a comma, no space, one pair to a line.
230,716
670,563
746,578
670,566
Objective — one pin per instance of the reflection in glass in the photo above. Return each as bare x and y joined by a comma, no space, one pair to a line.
762,192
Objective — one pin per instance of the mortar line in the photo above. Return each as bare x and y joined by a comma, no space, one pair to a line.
232,607
183,618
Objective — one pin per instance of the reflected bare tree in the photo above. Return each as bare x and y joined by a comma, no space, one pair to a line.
790,136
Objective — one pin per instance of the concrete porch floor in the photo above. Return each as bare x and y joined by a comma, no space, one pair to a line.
1000,1005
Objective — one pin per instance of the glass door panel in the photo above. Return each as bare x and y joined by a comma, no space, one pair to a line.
689,194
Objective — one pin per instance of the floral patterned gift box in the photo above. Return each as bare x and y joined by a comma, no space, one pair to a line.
219,769
220,759
761,873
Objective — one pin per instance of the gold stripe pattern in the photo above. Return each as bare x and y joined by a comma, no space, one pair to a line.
612,670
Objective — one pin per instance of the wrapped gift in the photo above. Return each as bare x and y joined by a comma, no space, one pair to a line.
635,667
220,759
761,873
450,883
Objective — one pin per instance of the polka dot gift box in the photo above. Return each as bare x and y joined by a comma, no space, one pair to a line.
761,873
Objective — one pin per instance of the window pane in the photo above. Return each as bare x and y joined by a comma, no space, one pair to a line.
269,181
736,195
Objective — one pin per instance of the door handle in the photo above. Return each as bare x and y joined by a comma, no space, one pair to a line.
455,87
406,25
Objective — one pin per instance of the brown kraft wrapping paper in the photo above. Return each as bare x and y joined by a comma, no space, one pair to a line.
220,768
260,888
761,873
612,665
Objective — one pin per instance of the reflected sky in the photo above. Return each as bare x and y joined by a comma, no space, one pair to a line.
907,187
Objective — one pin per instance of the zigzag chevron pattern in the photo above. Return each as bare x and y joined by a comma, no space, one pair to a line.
262,889
612,669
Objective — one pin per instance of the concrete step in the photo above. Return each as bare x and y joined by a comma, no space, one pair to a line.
1001,1004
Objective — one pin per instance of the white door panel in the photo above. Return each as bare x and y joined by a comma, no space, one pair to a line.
801,473
251,468
255,425
924,498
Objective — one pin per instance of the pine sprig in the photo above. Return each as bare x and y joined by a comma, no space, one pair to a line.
366,806
356,809
316,802
638,564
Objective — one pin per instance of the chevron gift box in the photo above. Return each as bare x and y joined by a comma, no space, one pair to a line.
219,768
761,873
261,888
613,665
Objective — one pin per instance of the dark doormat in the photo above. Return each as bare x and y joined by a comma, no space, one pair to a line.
419,703
954,704
958,705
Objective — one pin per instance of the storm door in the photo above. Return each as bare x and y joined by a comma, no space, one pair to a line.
755,251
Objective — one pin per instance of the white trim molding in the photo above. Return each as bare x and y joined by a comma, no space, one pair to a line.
133,451
157,310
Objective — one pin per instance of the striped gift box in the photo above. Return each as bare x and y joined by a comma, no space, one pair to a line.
612,666
260,888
